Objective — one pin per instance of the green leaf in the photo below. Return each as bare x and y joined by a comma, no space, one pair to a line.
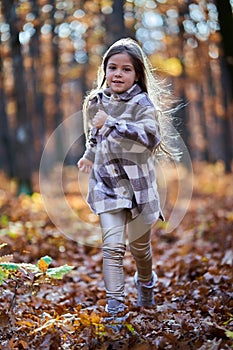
47,259
4,220
229,334
130,328
10,266
59,272
228,321
3,275
29,267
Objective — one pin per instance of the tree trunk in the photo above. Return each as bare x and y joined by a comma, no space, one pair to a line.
23,131
115,24
181,121
227,120
226,28
37,96
6,153
59,148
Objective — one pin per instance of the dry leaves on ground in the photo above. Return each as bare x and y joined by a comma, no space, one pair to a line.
194,296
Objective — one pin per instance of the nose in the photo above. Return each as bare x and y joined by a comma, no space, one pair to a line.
118,72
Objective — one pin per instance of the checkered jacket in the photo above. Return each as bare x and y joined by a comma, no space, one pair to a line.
123,173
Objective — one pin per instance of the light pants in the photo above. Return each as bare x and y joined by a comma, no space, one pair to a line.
113,225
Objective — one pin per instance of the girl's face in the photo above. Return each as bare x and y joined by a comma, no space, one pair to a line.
120,73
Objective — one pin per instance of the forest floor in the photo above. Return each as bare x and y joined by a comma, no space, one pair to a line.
193,298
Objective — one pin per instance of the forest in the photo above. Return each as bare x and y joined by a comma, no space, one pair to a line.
52,294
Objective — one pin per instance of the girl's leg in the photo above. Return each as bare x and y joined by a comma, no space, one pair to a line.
113,225
140,247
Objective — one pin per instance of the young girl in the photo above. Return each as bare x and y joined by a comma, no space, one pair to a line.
121,118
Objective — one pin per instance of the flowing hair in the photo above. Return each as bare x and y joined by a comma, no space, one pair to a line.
157,91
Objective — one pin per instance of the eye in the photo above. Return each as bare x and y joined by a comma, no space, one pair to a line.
127,69
111,67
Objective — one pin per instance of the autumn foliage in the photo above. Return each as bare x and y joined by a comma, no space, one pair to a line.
193,297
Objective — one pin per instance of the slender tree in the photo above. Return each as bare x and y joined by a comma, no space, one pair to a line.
57,94
6,153
226,28
23,130
115,24
37,96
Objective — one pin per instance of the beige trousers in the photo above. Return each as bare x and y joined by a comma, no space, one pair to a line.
115,226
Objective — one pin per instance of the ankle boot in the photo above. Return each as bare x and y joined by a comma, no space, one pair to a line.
145,290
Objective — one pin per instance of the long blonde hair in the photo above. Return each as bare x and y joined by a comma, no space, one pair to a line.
159,94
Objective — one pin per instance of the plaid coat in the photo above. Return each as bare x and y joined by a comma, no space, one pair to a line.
123,173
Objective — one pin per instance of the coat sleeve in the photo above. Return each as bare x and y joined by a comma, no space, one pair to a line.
136,135
92,134
91,145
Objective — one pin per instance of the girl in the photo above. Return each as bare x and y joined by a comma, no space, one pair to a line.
121,117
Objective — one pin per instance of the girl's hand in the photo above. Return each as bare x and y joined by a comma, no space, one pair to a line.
99,119
84,165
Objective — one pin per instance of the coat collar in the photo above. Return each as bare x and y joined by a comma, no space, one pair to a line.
125,96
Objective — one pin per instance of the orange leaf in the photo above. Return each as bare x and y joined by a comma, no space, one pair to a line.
85,319
43,266
94,317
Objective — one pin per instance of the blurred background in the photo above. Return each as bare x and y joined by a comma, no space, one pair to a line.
50,51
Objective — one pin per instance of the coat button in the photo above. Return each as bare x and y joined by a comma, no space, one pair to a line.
115,97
